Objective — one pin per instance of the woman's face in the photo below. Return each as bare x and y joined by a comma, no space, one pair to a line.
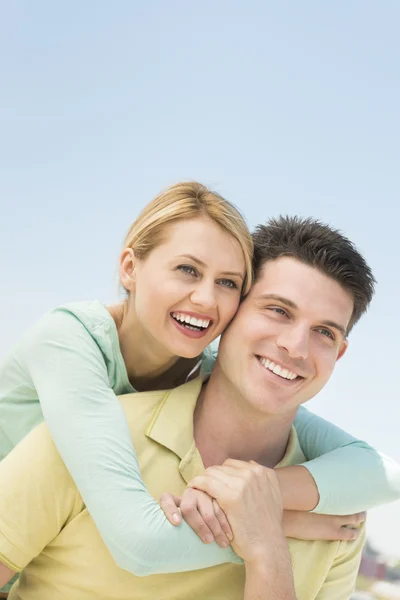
187,289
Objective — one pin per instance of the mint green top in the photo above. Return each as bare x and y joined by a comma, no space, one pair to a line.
71,361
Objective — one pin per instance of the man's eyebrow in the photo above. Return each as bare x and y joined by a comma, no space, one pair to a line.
293,305
203,264
281,299
336,326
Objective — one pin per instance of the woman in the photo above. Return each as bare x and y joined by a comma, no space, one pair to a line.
185,265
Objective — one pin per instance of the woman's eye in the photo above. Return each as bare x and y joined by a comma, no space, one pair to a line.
326,332
187,269
229,283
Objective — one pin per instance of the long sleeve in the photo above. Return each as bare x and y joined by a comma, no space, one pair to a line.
90,431
351,476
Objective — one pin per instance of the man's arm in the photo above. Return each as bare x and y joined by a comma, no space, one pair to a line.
5,574
251,498
271,578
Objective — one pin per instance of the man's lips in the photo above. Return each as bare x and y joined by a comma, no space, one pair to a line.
282,371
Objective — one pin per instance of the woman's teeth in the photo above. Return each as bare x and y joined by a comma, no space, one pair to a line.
191,322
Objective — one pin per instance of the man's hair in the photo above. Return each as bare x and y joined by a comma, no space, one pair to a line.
320,246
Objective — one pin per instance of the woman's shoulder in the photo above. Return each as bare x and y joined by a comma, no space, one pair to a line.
92,314
73,325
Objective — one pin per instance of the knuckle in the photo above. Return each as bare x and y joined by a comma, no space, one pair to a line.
201,528
352,519
351,533
259,470
188,509
209,518
237,494
361,517
248,475
165,498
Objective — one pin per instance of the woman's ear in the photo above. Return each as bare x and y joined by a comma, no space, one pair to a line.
127,272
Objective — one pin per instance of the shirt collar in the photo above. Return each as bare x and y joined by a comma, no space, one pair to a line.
172,426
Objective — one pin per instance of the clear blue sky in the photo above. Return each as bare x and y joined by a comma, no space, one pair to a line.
283,107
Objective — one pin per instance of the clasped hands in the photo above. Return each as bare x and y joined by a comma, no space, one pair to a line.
240,503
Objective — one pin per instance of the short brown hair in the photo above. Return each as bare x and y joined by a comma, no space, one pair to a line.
320,246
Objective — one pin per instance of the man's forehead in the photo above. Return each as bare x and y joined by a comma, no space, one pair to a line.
302,287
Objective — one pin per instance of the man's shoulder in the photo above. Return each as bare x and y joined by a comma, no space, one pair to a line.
325,570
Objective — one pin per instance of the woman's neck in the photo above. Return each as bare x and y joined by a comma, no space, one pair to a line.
149,366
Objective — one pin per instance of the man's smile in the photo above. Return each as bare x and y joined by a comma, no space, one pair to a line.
278,369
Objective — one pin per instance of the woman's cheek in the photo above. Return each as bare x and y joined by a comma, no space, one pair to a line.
229,310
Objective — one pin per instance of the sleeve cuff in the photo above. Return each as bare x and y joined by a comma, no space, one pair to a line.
11,556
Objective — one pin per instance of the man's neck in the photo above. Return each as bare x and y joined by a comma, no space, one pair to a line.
225,426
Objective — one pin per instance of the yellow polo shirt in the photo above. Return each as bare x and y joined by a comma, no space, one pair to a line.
47,533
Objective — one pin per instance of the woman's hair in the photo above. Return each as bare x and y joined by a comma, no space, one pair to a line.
188,200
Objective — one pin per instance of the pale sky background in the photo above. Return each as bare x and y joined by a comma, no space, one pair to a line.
283,107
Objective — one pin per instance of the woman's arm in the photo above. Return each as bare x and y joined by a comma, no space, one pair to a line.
343,475
91,433
5,574
349,475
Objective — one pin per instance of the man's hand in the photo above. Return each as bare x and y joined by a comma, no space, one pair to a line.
249,494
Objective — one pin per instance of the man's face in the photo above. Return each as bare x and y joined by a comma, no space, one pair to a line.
281,348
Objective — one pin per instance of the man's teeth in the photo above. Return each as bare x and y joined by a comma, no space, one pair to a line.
285,373
204,323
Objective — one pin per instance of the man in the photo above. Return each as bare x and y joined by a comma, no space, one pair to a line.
279,351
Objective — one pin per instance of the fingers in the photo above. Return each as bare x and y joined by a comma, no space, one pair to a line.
206,518
347,534
215,482
223,520
355,519
349,525
170,505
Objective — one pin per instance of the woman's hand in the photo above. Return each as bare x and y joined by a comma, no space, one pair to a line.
201,512
310,526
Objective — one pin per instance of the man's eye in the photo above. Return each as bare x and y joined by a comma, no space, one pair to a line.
326,332
187,269
228,283
278,310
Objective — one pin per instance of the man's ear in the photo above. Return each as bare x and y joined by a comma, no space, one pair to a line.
343,348
127,271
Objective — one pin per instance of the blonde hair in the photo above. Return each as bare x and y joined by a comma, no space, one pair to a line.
188,200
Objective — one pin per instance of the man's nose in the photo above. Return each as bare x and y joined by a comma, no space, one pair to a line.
204,295
295,340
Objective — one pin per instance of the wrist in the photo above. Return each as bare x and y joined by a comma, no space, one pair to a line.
298,488
270,577
265,557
